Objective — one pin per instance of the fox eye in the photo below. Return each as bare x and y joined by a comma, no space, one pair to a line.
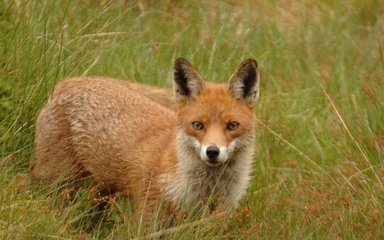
197,125
233,126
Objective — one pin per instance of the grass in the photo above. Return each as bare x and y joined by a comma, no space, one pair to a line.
318,171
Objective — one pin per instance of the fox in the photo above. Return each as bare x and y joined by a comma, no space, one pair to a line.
176,152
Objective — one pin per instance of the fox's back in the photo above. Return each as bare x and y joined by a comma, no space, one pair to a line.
109,127
108,109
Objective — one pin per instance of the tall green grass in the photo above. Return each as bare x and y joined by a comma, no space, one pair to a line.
318,171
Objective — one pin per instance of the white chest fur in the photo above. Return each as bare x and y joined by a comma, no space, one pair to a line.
194,182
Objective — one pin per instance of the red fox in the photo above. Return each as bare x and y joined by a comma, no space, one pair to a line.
194,149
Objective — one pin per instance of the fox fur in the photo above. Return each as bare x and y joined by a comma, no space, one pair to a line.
183,151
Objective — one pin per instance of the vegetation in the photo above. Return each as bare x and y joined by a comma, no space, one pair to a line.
319,168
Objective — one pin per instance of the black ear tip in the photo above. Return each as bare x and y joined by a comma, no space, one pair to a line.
249,62
181,61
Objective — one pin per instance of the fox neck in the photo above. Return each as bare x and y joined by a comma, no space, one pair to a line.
191,182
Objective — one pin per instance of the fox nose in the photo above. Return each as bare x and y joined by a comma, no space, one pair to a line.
213,152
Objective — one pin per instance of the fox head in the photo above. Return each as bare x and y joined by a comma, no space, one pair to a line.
215,121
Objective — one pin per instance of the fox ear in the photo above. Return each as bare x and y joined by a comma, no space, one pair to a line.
187,83
244,82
